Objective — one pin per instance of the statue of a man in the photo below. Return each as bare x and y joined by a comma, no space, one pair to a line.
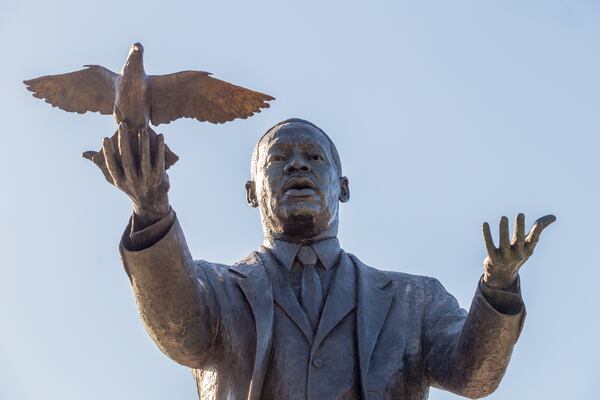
300,318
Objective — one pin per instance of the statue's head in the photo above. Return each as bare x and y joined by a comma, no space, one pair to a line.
297,182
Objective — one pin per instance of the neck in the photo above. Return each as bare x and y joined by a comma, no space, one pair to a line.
302,233
134,66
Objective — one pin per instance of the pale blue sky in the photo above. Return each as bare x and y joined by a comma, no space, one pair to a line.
445,114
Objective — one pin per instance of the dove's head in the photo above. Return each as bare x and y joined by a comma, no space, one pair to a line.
135,61
297,182
137,48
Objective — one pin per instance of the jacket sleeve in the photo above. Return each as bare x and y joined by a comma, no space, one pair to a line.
468,353
173,295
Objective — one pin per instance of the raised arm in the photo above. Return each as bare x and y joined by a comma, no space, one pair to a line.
173,296
467,353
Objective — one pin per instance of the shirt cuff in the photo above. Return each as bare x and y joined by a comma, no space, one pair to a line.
135,240
507,301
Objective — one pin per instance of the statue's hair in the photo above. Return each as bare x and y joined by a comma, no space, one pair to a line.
255,153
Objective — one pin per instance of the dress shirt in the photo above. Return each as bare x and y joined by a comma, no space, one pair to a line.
328,253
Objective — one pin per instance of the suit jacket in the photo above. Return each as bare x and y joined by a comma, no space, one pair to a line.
411,333
323,363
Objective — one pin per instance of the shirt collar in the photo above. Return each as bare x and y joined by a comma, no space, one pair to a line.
328,251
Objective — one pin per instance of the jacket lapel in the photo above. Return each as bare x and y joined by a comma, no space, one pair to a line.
256,286
375,293
284,296
341,299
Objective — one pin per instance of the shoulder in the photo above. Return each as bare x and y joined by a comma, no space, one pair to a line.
423,290
225,278
397,278
250,260
211,267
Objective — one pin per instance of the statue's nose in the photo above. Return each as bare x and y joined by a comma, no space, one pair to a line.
297,164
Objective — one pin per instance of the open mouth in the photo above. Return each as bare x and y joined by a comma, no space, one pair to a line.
300,187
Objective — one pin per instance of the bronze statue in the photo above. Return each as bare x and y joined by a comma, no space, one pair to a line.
135,98
300,318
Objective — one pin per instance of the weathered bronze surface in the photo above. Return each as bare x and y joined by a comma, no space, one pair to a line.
135,98
300,318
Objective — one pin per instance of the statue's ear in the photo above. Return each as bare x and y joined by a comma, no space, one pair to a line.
251,194
344,189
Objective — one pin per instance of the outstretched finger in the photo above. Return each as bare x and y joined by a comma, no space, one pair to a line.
489,242
159,165
504,242
111,160
145,165
126,155
539,225
519,234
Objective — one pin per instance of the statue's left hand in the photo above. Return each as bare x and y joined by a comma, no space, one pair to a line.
502,264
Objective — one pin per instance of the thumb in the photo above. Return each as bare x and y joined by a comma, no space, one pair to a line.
98,159
89,155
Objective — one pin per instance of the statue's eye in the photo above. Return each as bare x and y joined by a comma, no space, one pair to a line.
276,158
317,157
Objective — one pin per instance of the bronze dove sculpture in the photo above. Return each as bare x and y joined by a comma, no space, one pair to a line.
135,99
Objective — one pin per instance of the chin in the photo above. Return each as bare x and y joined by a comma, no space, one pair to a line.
302,220
300,226
304,210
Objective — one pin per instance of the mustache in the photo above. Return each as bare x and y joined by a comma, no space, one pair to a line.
300,182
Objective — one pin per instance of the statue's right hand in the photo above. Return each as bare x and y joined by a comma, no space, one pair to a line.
144,181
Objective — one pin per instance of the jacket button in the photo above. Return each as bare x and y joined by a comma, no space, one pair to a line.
317,362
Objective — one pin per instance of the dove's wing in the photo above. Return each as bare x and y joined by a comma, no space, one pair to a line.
194,94
90,89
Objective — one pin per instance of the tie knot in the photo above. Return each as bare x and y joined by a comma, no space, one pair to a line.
307,256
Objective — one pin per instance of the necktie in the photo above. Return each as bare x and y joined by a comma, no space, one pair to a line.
311,292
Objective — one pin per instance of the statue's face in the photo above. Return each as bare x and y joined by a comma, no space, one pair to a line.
297,184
